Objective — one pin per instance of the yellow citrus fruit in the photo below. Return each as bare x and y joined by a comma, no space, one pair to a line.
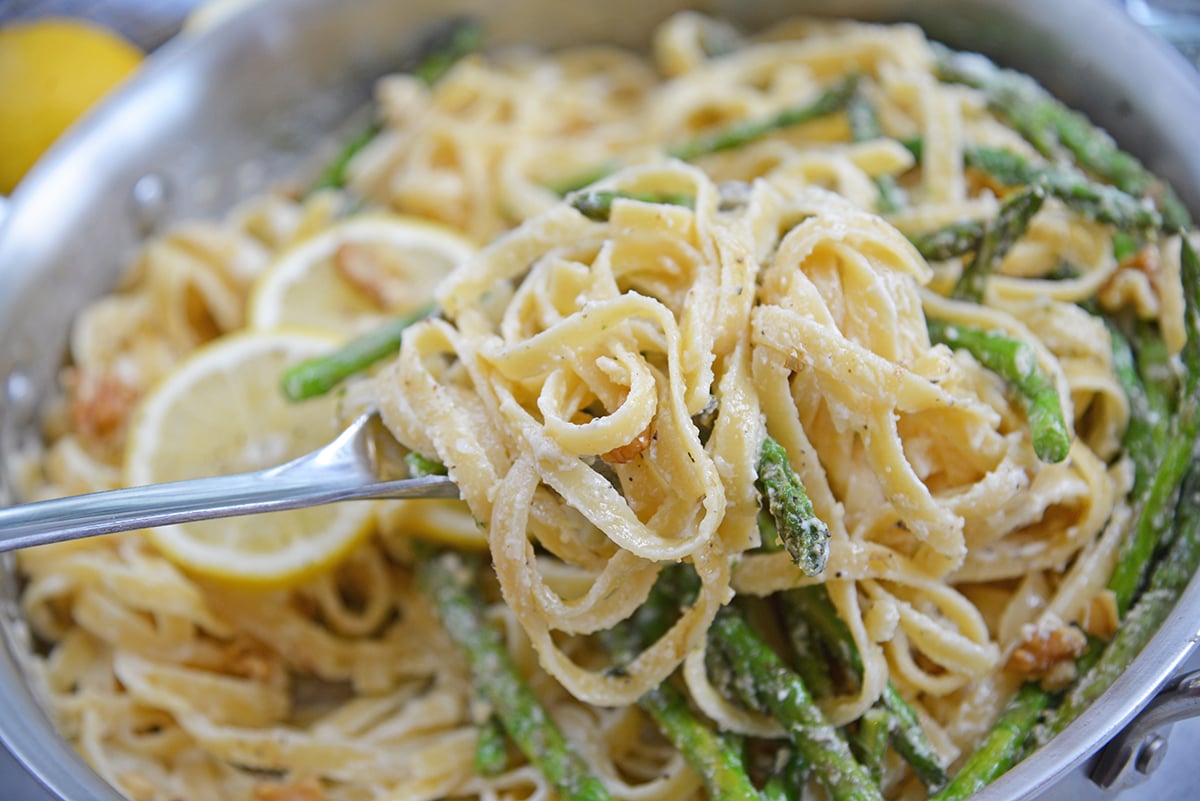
356,273
433,519
222,412
51,71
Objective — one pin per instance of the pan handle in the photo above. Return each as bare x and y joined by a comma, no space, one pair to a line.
1139,749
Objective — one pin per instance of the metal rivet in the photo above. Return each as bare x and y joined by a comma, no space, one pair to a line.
148,202
1151,754
19,389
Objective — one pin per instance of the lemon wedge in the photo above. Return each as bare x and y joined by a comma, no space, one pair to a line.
444,521
221,411
358,272
51,71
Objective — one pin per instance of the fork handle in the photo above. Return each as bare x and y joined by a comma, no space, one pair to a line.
289,486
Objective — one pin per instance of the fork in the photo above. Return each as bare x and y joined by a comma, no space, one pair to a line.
364,461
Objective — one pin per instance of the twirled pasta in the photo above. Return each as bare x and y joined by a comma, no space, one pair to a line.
599,390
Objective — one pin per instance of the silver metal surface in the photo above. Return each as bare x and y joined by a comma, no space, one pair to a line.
356,465
1140,748
267,89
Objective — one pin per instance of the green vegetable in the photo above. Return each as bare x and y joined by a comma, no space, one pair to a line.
949,241
809,611
597,203
318,375
718,764
419,465
335,174
1016,363
1051,127
1001,748
780,692
803,534
787,781
731,137
870,741
436,58
1145,442
1177,452
743,132
491,748
460,38
1100,202
449,579
865,127
999,235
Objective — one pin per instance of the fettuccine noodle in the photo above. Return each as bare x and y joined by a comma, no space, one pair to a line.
561,385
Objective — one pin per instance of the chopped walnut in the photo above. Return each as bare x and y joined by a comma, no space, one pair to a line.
362,266
1102,618
623,454
1044,648
1144,260
100,405
393,280
304,790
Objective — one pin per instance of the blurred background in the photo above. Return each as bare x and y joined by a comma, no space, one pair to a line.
147,23
58,57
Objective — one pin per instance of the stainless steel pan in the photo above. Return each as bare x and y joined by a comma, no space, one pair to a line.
216,118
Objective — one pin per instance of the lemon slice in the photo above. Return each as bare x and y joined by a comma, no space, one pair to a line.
354,274
221,411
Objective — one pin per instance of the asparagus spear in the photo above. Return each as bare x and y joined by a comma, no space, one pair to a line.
449,580
811,606
420,465
597,204
1016,363
865,127
1095,201
434,60
335,175
718,764
459,39
1002,747
803,534
318,375
808,644
999,235
491,749
949,241
787,782
731,137
1144,442
1048,124
744,132
1154,520
580,180
781,692
870,741
1100,202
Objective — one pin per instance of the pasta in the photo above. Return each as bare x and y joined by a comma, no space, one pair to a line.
599,388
